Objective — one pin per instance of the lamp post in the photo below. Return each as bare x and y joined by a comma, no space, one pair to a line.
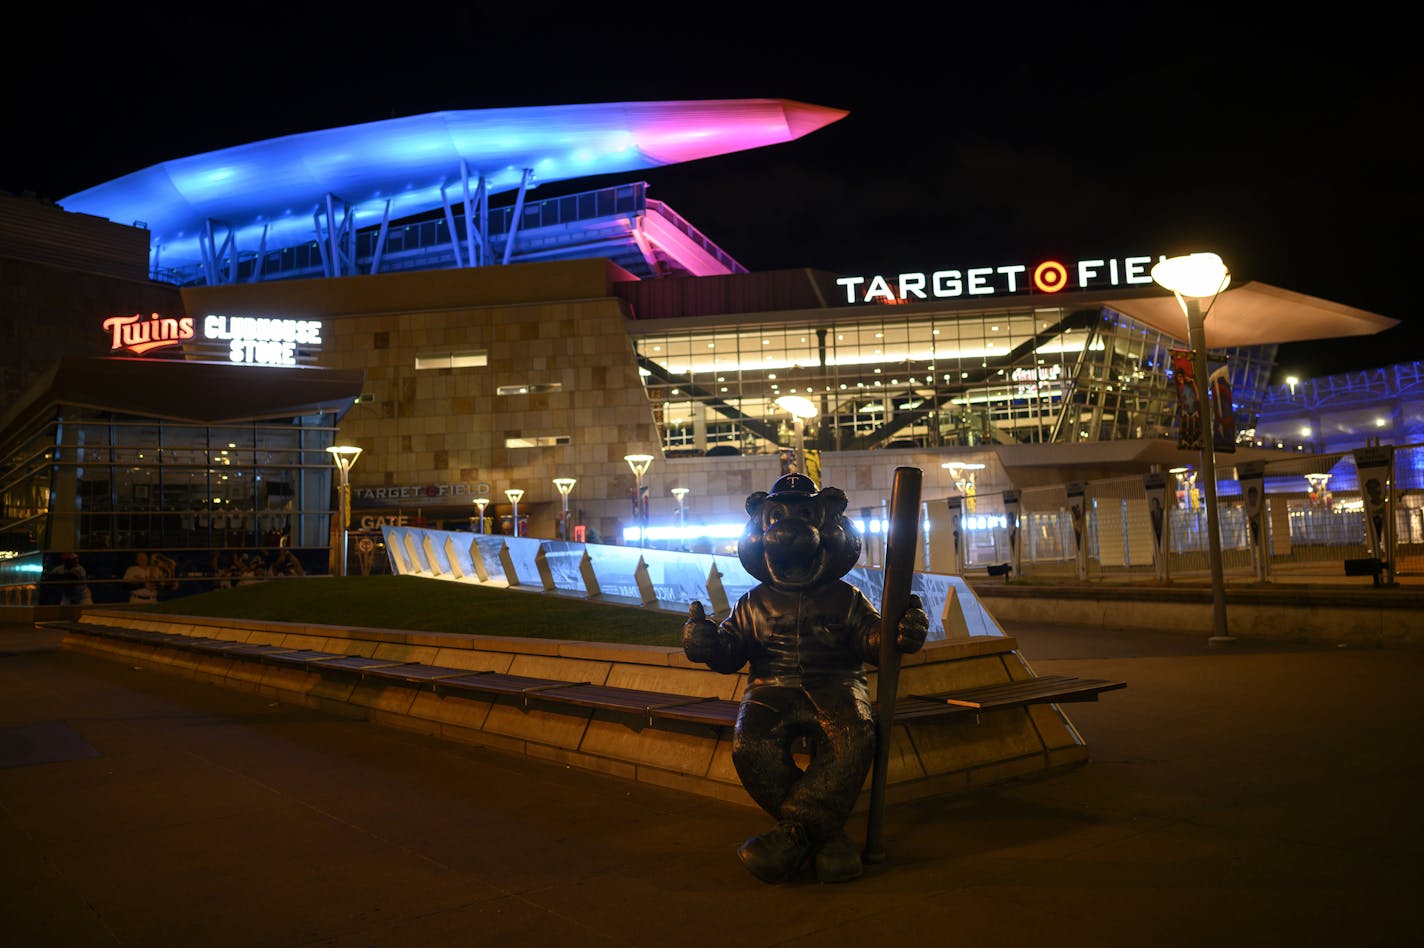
800,410
515,495
564,484
344,456
680,493
639,463
482,503
1192,278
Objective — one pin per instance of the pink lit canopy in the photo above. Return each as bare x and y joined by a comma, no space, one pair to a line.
269,190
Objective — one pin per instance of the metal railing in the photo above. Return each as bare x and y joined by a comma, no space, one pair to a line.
1314,520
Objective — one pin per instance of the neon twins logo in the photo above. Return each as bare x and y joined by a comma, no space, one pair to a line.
139,335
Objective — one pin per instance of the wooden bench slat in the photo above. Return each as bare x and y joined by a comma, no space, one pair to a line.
631,700
496,683
412,672
214,645
1052,689
717,712
356,663
298,657
911,708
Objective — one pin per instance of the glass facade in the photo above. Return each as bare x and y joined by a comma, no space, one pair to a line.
107,487
1033,375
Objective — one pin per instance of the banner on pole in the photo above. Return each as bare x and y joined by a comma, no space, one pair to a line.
1223,415
813,465
1189,420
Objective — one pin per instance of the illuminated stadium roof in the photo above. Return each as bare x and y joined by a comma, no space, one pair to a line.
267,192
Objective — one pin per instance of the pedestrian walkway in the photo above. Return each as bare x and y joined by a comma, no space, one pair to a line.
1261,796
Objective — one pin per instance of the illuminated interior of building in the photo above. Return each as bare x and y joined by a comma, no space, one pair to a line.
964,378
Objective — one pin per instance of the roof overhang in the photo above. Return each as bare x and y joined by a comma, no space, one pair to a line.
1033,464
1256,314
200,393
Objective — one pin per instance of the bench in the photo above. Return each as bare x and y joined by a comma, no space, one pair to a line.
654,707
1371,566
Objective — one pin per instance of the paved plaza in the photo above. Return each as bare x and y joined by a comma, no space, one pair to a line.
1262,794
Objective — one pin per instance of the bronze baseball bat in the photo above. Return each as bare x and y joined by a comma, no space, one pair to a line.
894,598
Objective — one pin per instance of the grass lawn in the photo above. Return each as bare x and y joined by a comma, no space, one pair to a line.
431,605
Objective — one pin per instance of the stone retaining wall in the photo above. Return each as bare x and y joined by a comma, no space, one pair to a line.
1360,616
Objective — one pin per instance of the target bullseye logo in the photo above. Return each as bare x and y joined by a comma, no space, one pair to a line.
1050,276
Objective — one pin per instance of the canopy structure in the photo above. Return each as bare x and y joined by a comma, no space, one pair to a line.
1257,314
201,393
272,193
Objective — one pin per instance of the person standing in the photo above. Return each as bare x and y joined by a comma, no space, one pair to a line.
70,572
139,578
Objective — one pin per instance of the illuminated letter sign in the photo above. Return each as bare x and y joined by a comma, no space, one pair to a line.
258,340
139,335
1049,276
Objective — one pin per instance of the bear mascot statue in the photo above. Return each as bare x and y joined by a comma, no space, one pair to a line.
807,635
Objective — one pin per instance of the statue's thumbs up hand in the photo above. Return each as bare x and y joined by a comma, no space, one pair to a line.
699,635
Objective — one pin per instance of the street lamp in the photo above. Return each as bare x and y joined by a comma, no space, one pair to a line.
344,455
1192,278
482,503
515,495
800,409
680,493
564,484
639,463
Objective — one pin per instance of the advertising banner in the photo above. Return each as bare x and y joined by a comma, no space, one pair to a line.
1375,466
1189,416
1011,518
1159,487
956,526
813,465
1252,477
1077,492
1223,415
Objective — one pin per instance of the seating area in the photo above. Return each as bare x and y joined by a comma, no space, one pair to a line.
623,716
655,706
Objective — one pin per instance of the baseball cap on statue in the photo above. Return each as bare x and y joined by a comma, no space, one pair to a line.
793,484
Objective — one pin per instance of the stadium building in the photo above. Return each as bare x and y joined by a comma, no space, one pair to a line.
199,332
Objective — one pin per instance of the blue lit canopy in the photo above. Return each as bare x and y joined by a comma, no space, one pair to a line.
280,183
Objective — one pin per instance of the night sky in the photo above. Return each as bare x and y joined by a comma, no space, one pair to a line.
966,145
